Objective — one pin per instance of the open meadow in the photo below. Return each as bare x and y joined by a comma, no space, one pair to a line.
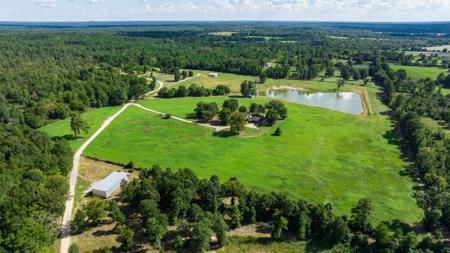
322,156
61,128
417,72
233,81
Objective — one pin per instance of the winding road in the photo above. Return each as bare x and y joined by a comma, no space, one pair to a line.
65,224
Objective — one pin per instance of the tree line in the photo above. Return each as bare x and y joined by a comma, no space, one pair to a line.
33,188
201,208
193,90
429,146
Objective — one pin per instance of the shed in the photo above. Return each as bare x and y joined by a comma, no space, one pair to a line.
213,75
258,120
109,184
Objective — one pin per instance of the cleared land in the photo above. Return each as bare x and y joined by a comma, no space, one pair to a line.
251,244
95,238
416,72
323,156
95,117
234,81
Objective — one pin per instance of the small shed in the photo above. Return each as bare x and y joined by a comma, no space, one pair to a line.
255,119
213,75
109,184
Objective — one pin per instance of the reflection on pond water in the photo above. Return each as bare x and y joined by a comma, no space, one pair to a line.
348,102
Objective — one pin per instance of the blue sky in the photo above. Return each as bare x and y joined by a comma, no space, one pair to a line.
301,10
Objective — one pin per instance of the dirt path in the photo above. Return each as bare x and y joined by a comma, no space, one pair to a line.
216,128
184,80
65,225
161,85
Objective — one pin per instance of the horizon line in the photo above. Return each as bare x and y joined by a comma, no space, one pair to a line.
234,20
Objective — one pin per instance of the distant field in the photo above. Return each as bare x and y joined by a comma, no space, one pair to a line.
416,72
95,117
222,33
250,244
437,124
234,81
438,48
329,85
322,156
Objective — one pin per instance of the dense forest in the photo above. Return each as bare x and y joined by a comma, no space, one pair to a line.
46,75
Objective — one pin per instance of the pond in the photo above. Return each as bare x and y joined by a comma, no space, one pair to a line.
348,102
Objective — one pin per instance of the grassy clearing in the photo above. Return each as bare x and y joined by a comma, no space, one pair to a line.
97,238
163,77
445,91
91,171
234,81
323,156
231,80
328,85
249,244
437,124
438,48
94,238
416,72
61,128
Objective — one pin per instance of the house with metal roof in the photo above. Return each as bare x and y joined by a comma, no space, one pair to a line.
109,184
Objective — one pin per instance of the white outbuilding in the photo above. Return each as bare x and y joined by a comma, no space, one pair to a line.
213,75
109,184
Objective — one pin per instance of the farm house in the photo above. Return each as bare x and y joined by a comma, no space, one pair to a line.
109,184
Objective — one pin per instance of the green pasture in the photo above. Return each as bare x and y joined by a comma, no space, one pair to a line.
322,156
95,117
416,72
327,85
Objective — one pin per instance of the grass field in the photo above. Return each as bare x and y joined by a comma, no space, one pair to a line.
322,156
249,244
329,85
234,81
95,117
416,72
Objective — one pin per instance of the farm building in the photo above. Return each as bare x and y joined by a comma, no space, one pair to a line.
213,75
109,184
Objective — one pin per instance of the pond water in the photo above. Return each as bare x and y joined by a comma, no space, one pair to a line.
348,102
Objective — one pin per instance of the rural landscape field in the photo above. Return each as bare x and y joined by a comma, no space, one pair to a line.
215,134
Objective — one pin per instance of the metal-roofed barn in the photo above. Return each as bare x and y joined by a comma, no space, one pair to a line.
109,184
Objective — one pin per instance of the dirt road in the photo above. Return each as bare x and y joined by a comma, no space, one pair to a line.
65,225
216,128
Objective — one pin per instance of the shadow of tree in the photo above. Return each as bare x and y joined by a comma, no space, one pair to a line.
264,228
224,134
67,137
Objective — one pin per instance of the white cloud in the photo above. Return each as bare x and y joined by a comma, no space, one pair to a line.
98,1
45,3
351,10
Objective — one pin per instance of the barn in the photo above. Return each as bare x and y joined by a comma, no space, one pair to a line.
109,184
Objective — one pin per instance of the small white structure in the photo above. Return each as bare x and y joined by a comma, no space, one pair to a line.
109,184
213,75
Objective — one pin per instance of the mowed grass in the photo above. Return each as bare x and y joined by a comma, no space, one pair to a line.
61,128
233,81
322,156
416,72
